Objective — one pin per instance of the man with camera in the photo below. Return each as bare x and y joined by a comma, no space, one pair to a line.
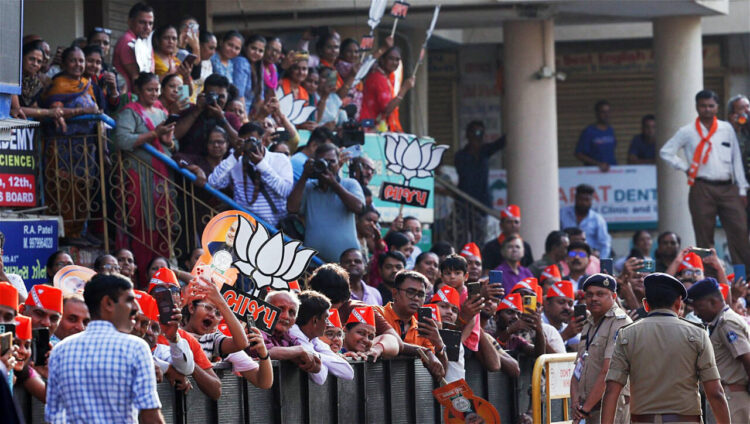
196,122
329,204
319,136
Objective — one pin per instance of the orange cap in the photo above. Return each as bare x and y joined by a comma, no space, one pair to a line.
724,290
163,276
148,305
8,295
447,294
23,327
333,319
691,261
730,277
46,297
511,301
561,289
435,312
471,249
552,272
362,315
529,283
512,211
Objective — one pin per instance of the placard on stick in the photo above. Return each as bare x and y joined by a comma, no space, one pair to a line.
404,195
245,305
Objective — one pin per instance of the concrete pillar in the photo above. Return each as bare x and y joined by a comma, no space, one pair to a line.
679,76
418,106
530,122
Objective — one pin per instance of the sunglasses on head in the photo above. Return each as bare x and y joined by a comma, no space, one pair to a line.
573,254
104,30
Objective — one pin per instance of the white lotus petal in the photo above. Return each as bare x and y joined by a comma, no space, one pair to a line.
242,237
261,280
304,114
259,239
289,251
301,260
421,173
395,168
270,255
377,8
279,283
437,155
286,102
412,155
408,174
426,154
244,267
403,144
296,109
390,148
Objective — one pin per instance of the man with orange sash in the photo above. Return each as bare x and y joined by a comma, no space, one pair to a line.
715,175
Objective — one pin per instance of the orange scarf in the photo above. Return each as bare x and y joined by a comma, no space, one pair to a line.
699,158
339,80
286,87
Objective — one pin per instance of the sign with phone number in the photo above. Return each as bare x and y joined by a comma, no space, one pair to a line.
18,167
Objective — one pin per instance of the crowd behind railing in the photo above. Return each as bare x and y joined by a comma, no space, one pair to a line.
228,109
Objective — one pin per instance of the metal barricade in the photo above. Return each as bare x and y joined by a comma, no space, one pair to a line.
558,370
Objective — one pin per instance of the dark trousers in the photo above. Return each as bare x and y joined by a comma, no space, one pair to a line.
706,200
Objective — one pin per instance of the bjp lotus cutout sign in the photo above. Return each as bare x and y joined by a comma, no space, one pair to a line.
406,156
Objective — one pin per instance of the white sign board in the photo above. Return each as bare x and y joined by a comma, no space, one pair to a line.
558,379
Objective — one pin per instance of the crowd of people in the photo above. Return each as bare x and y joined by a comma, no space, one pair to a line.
211,103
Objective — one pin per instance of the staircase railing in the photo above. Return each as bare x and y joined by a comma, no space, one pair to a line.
140,199
467,218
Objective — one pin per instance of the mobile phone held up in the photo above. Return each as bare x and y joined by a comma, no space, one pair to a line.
606,266
649,265
40,345
739,272
579,311
164,302
529,304
423,313
473,288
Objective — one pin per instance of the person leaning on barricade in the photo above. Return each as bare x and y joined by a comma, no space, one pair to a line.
664,357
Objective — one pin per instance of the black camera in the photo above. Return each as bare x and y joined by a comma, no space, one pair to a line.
254,145
351,131
211,98
320,166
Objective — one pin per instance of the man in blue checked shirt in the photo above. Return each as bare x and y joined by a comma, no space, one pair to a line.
104,374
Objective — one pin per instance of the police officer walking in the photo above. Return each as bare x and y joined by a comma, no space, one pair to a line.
729,335
665,357
595,351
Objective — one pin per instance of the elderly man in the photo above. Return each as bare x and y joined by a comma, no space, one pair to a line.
510,224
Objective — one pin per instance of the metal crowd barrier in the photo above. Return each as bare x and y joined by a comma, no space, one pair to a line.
557,369
388,391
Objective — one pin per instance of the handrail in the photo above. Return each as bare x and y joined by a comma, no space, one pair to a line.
445,183
542,363
214,192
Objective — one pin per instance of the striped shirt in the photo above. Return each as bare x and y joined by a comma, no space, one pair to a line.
276,174
100,376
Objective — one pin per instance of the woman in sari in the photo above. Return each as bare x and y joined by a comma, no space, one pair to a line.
378,100
144,203
71,160
32,84
271,58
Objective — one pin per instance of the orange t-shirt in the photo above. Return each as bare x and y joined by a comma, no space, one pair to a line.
201,360
412,335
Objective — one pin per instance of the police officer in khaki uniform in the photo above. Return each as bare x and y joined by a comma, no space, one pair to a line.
665,357
595,350
730,338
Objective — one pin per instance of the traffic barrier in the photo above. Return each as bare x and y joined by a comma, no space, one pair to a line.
557,369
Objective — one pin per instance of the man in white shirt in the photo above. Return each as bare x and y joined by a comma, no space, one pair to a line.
716,176
310,325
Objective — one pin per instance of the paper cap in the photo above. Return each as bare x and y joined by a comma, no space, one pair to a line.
148,305
46,297
529,283
511,301
724,290
690,261
471,249
362,315
8,295
512,211
552,272
333,319
561,289
447,294
163,276
224,328
294,286
23,327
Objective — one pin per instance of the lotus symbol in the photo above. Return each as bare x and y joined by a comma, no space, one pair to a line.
408,158
268,260
294,110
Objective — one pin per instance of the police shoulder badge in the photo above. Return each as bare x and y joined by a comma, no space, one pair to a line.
731,336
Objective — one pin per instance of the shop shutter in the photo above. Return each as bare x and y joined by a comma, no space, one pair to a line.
441,113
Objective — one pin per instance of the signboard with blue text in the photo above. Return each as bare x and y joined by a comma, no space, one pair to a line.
28,244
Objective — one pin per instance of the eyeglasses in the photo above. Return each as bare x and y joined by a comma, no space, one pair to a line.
573,254
210,309
413,294
62,264
110,267
104,30
692,273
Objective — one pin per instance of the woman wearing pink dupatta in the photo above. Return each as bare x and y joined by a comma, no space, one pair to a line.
145,203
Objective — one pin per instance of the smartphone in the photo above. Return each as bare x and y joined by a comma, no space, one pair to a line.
190,59
606,266
172,119
40,345
529,304
473,288
739,272
496,277
184,93
6,341
579,311
423,313
701,252
164,302
354,151
648,266
8,328
452,341
281,135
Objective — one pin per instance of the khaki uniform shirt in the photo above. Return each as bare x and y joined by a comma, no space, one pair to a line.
730,339
601,345
665,357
